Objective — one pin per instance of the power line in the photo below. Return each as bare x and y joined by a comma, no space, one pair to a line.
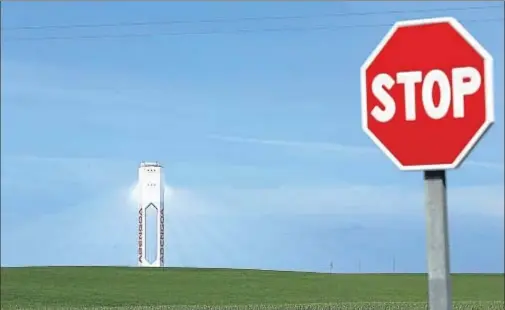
241,19
216,32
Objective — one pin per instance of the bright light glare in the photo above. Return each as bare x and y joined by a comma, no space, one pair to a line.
134,193
168,193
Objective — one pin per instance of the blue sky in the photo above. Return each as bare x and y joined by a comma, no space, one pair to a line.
259,133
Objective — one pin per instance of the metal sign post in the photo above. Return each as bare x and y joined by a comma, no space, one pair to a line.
439,278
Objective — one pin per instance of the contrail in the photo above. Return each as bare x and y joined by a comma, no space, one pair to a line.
323,146
335,147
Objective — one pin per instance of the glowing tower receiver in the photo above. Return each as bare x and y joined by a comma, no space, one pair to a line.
151,190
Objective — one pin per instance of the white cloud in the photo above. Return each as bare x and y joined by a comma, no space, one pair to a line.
334,147
25,173
477,200
121,92
485,164
342,198
106,91
321,146
105,222
358,200
99,224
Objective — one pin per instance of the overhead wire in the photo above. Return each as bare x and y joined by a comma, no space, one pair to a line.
229,31
216,32
241,19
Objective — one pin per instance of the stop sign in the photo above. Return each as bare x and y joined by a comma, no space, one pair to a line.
427,94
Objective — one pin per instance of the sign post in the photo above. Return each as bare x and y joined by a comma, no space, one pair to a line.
426,100
439,277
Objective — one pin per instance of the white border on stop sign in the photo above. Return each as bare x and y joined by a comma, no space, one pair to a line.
488,88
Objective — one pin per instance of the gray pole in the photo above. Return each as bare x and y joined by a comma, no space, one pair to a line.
439,281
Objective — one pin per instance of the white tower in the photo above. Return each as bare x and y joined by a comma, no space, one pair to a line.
151,196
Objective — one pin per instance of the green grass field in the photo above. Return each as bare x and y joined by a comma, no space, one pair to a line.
173,288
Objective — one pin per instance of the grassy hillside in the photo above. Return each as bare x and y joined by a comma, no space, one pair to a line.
96,287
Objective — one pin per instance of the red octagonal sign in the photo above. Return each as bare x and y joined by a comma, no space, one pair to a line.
427,94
